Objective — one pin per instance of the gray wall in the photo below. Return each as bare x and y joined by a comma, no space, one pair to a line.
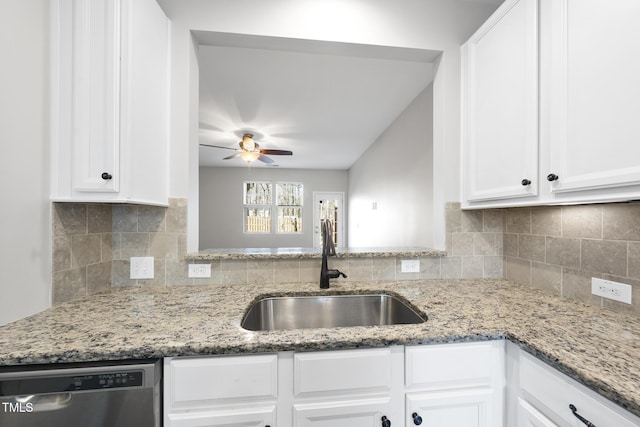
396,176
25,254
221,209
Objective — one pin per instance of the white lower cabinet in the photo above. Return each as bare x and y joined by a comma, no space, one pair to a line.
541,396
447,385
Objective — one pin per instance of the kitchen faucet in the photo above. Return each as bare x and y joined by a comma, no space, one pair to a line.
328,249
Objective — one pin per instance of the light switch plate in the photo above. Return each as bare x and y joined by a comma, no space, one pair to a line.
612,290
410,266
199,271
141,267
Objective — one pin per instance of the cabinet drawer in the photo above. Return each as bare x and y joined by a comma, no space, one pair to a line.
348,371
206,381
551,392
454,365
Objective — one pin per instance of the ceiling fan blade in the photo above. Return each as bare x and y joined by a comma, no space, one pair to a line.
265,159
233,156
218,146
276,152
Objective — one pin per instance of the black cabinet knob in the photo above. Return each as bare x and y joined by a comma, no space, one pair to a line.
552,177
106,176
417,419
385,422
525,182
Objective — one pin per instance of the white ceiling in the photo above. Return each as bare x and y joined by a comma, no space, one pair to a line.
325,101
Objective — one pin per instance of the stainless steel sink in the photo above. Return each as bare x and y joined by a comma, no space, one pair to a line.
328,311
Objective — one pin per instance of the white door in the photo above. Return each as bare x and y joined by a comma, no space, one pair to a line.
593,95
328,205
500,105
468,408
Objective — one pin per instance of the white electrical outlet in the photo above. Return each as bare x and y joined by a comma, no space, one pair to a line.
612,290
141,267
200,271
410,266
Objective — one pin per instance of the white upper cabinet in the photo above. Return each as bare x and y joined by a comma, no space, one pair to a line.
500,105
593,93
110,101
581,138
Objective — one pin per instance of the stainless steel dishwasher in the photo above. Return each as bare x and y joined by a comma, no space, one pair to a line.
124,394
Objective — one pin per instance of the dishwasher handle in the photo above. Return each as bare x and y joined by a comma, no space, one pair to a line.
38,402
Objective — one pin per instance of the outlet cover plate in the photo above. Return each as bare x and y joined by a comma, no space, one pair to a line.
410,266
612,290
141,267
200,271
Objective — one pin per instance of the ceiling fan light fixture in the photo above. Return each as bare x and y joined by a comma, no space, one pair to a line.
250,156
248,143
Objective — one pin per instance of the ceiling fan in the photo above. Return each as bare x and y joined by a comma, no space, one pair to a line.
250,151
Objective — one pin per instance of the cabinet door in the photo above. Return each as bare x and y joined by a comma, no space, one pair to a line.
469,408
256,417
500,105
344,413
528,416
593,94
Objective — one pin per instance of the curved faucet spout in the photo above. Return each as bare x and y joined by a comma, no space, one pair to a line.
328,248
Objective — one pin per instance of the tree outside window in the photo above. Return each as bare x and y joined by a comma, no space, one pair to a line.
259,204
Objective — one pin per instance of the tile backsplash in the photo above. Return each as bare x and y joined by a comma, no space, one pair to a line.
560,248
557,248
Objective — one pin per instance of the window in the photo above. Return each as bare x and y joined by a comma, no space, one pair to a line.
257,207
259,204
289,198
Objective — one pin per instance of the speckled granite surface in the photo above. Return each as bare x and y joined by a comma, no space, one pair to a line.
305,253
597,347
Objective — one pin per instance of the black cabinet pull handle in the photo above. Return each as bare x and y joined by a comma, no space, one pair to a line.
106,176
580,417
417,419
552,177
525,182
385,422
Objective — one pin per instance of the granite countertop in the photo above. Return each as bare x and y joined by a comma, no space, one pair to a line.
598,347
305,253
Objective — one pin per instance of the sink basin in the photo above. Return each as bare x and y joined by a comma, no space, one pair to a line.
328,311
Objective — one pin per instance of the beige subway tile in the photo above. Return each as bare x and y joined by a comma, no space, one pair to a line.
177,272
462,244
69,285
286,271
99,218
517,270
493,267
259,272
576,284
531,247
547,277
634,307
451,267
164,245
472,267
453,218
98,277
134,245
176,216
563,251
429,267
604,256
633,259
510,244
86,249
493,220
361,269
125,218
121,273
310,270
583,221
215,276
151,218
233,272
384,268
471,221
61,253
159,274
546,220
106,251
518,220
69,219
621,221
